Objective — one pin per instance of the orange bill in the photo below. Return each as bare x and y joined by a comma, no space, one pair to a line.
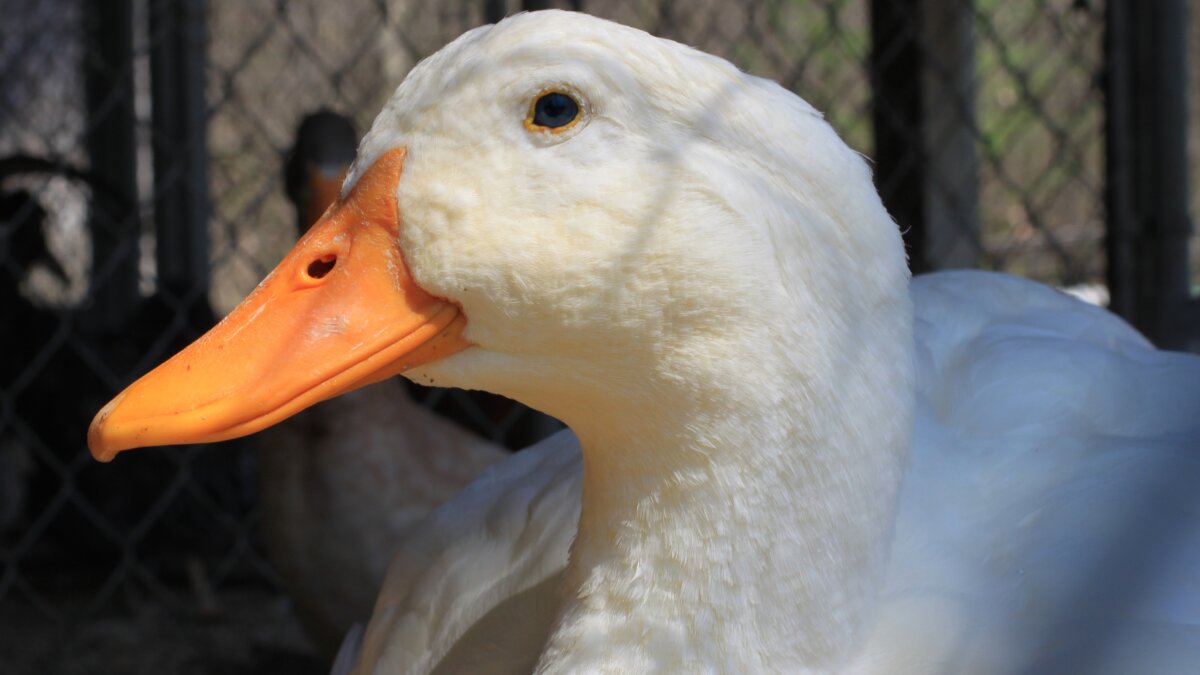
339,312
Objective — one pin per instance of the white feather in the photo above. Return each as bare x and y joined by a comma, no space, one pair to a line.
701,281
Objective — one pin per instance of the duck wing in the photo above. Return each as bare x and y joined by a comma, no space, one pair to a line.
1050,521
475,585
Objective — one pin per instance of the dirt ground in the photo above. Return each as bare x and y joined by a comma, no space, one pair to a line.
241,632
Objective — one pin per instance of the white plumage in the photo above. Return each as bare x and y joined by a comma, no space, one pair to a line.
1047,523
1048,436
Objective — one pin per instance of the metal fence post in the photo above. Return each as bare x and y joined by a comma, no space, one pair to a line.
949,136
495,10
177,74
111,145
1147,191
922,75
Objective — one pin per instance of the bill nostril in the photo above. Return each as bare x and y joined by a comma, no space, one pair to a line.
318,268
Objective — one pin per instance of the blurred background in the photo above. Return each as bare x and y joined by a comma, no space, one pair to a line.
145,189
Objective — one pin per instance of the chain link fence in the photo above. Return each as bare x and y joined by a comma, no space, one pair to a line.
112,133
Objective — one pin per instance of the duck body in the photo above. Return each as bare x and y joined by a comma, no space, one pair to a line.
1045,524
474,586
689,268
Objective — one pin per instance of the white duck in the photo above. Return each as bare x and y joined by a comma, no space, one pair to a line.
687,266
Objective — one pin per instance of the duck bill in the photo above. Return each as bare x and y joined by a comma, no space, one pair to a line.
339,312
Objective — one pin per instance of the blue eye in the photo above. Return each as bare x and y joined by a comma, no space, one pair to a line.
554,111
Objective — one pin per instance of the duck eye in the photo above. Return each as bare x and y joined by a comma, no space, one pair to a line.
553,111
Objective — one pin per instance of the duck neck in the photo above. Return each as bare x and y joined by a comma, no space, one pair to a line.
740,525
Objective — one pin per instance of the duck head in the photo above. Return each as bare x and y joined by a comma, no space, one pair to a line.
574,215
682,262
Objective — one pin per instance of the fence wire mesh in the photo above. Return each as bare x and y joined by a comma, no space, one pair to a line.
160,564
